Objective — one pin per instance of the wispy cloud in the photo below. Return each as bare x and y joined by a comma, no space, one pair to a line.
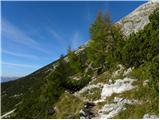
88,15
18,65
17,35
20,55
76,40
58,37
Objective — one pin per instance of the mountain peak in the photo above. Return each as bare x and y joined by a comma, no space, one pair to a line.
154,1
138,18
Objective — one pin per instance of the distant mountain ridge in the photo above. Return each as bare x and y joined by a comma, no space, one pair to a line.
6,79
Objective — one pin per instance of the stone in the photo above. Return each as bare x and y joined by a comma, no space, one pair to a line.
148,116
137,19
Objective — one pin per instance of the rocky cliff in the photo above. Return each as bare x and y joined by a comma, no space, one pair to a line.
138,18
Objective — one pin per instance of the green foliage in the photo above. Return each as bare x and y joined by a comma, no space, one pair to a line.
43,90
132,112
103,78
21,87
54,86
75,85
149,93
92,94
141,51
118,42
39,102
24,86
29,108
74,61
68,107
142,46
106,42
154,19
100,39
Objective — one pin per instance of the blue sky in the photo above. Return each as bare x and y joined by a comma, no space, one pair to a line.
35,34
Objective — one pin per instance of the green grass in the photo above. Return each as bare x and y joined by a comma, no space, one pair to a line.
108,100
132,112
68,107
92,94
103,78
147,94
136,111
107,75
141,73
119,76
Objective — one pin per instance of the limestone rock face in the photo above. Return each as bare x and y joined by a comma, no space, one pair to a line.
138,18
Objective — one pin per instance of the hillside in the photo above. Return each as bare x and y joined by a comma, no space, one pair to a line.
121,82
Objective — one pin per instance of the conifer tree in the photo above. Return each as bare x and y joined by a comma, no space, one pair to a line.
107,19
100,39
74,61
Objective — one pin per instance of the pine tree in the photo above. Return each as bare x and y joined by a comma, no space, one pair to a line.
100,39
117,42
74,61
107,19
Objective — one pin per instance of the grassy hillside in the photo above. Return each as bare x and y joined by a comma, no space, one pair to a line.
22,86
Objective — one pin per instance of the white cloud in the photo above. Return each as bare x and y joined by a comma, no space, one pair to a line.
17,35
57,36
88,15
20,54
18,65
76,40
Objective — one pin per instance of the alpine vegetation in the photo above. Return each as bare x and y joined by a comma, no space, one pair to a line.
114,75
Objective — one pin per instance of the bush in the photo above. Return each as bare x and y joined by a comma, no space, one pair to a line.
141,47
75,85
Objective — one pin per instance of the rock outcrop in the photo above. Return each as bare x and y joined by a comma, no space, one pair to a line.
138,18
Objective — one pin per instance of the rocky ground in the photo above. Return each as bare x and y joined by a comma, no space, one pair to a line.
110,102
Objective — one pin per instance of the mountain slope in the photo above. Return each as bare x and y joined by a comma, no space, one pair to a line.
22,86
15,92
138,18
